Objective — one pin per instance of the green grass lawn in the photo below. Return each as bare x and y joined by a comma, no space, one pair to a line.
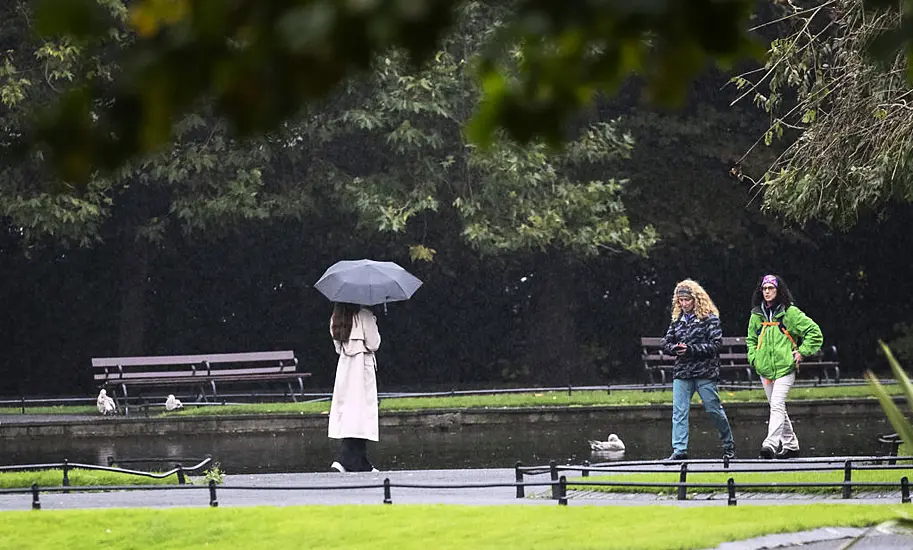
78,478
51,409
892,476
422,527
537,399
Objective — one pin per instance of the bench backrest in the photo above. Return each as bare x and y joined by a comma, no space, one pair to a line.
176,366
733,352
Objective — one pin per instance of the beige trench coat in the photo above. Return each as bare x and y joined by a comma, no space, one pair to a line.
353,412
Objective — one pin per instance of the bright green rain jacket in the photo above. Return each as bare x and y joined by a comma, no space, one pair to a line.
770,350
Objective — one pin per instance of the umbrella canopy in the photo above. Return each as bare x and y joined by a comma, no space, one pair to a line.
367,282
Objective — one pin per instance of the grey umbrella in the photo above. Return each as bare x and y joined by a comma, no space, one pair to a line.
367,282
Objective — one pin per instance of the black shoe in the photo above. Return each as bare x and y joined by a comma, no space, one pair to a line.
678,455
729,453
788,453
767,453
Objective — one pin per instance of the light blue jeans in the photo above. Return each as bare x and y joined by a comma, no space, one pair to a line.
682,390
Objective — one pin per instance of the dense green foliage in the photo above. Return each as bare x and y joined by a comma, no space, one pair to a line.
533,259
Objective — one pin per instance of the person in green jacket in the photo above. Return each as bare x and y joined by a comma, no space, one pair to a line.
779,337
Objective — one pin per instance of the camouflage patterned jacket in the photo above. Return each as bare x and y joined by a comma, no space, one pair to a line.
704,338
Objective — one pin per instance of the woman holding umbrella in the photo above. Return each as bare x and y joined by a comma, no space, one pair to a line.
353,413
351,285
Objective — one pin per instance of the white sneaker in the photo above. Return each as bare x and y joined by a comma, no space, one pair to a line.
375,471
338,467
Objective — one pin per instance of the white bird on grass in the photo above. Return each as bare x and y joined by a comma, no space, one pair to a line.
104,403
612,444
173,403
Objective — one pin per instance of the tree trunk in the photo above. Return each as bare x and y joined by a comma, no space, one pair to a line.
134,285
552,339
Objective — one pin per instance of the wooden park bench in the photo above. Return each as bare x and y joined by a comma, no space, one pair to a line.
734,362
202,372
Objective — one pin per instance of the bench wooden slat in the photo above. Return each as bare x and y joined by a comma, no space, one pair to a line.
246,357
200,373
180,381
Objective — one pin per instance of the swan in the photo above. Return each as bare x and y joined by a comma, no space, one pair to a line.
612,444
173,403
104,403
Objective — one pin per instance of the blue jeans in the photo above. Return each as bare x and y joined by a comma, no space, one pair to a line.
682,390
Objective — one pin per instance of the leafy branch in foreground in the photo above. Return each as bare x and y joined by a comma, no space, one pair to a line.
260,62
900,423
837,86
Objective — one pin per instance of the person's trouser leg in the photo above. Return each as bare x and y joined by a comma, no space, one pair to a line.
348,455
364,465
780,432
714,407
353,455
682,390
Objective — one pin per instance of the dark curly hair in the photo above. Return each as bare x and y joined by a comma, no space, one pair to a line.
784,296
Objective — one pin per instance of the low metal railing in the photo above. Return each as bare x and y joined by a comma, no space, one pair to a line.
847,464
67,466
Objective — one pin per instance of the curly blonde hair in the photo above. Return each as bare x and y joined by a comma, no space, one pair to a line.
703,305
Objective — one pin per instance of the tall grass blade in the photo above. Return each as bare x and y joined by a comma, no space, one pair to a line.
895,416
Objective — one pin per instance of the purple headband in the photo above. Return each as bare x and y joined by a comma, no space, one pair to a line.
769,279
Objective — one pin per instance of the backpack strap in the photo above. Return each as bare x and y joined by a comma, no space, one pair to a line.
786,332
778,323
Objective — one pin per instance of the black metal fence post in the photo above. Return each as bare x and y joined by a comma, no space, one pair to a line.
213,501
181,479
586,469
518,476
726,462
562,491
847,479
904,490
388,498
66,474
553,470
36,504
22,404
683,478
730,486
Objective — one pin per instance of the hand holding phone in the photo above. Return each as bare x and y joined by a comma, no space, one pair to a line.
680,348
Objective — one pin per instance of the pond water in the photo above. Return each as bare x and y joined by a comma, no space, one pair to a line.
488,446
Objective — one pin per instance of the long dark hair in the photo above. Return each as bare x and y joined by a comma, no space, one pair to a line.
342,320
784,296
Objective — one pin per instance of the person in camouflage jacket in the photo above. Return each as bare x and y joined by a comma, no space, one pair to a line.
695,337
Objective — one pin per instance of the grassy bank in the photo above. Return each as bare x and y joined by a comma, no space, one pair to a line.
889,476
421,527
539,399
532,399
78,478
